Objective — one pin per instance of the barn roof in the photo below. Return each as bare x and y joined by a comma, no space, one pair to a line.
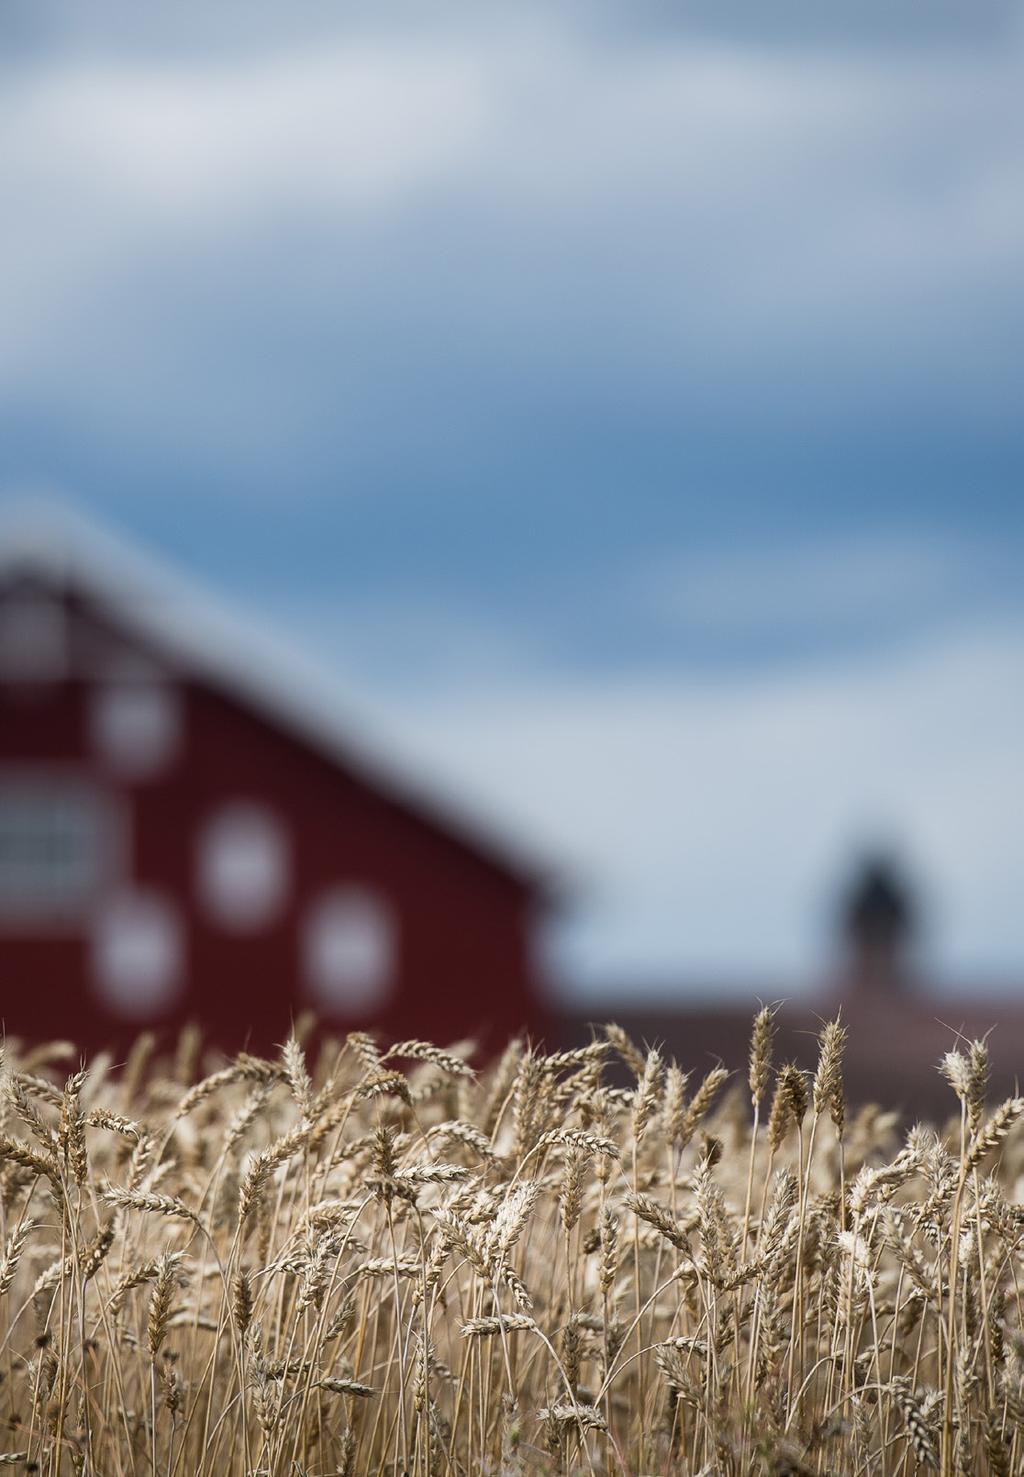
206,641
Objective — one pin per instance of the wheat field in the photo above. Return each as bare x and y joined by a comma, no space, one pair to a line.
378,1260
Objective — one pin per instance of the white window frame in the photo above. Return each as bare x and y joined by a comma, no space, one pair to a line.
231,907
40,915
355,998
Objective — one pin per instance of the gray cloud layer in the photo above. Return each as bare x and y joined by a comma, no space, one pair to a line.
541,332
699,229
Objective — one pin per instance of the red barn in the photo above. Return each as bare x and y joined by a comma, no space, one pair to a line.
186,836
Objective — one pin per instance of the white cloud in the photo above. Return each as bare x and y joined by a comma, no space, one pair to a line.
839,586
355,125
716,204
109,166
710,819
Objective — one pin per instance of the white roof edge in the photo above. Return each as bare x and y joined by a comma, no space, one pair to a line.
50,538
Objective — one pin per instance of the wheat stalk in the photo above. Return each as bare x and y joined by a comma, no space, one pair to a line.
376,1259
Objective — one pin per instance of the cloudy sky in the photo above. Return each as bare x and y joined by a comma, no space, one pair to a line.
620,402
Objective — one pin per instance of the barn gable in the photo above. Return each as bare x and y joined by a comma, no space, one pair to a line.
185,830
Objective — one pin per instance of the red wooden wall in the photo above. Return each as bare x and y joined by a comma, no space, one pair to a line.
463,925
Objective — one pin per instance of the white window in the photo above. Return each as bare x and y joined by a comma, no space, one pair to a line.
137,948
135,727
243,867
56,848
349,939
